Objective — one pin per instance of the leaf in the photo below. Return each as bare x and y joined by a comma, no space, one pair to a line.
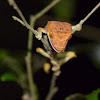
94,95
8,77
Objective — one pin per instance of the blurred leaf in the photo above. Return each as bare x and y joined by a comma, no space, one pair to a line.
8,77
12,64
65,9
94,95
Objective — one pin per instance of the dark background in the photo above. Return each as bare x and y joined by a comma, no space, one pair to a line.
79,74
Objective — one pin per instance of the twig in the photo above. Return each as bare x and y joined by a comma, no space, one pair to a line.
53,89
92,11
26,25
12,3
78,27
42,12
19,20
28,59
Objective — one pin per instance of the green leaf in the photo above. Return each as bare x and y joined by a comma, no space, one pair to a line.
93,95
8,77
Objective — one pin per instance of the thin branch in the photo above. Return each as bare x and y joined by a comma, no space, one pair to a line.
26,25
30,34
12,3
53,89
19,20
47,8
92,11
78,27
29,62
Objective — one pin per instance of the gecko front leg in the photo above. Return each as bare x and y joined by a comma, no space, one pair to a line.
40,30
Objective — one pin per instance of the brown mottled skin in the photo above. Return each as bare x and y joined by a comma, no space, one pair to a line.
59,33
